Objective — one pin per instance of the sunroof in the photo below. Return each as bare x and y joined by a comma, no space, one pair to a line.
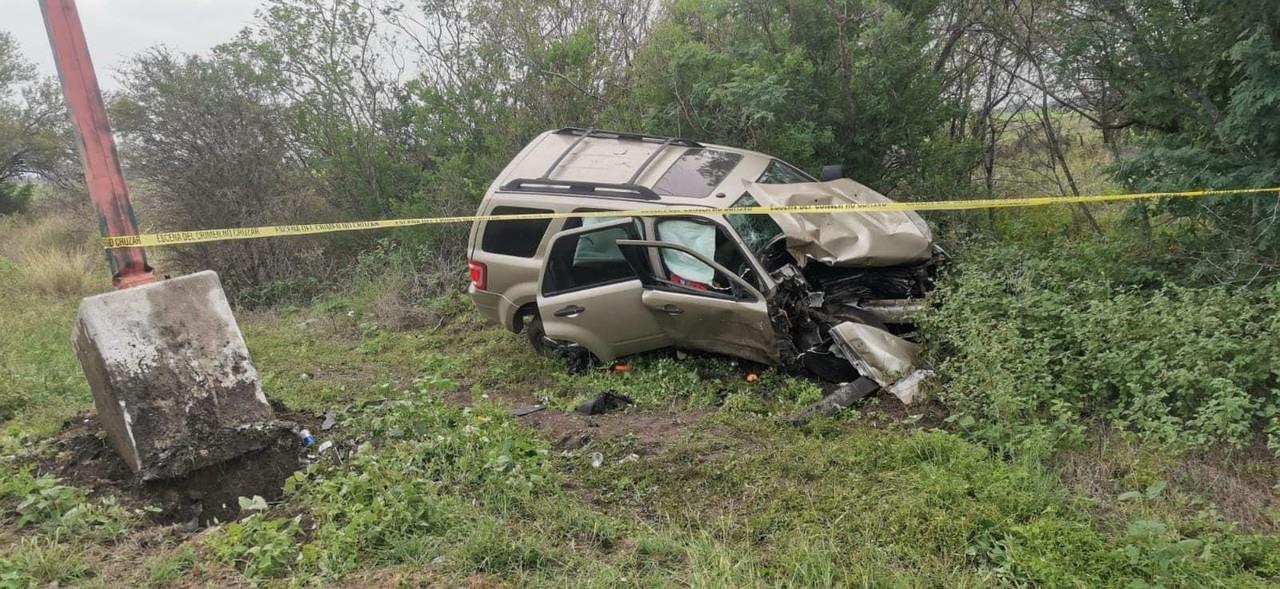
696,173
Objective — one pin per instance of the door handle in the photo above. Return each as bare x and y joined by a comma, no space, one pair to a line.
570,311
671,309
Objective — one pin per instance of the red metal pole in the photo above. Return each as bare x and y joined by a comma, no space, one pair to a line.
102,172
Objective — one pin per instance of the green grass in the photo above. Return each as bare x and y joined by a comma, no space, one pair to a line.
327,355
452,495
40,381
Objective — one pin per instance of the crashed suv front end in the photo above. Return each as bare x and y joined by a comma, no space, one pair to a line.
846,285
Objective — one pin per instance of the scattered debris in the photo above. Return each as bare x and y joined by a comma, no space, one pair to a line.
843,397
597,459
523,410
604,403
620,367
306,438
908,387
330,419
751,377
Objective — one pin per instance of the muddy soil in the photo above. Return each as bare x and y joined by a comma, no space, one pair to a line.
82,457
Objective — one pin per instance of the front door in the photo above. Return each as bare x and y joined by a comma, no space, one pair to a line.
718,312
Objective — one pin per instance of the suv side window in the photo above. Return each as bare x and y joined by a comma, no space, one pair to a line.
514,238
588,259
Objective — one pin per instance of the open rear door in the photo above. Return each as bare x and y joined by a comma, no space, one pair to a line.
590,295
725,315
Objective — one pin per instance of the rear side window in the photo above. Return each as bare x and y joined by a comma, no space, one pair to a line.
697,172
514,238
588,259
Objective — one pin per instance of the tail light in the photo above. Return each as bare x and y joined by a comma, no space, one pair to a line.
479,274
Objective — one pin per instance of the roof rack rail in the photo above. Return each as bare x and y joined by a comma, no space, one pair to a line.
583,188
628,136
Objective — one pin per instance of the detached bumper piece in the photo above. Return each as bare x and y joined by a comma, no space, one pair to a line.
889,360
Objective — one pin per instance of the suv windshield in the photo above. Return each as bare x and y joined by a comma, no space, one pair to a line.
697,172
756,230
780,172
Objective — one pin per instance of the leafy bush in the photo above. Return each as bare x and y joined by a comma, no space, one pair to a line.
1036,347
14,198
264,547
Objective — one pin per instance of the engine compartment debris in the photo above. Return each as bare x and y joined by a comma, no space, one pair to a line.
832,324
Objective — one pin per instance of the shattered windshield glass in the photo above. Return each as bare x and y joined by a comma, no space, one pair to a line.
697,173
780,172
756,230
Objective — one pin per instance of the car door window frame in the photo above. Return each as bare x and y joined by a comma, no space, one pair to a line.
637,252
629,223
758,281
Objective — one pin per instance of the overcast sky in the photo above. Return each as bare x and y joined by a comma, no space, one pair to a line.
118,29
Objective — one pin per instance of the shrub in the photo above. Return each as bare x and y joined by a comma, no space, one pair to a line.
14,198
1035,347
263,547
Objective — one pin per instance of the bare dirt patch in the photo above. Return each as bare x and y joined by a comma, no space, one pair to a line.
82,457
651,431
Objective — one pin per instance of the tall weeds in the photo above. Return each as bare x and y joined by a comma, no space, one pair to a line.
55,253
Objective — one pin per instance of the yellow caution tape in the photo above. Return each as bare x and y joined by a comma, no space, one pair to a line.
208,235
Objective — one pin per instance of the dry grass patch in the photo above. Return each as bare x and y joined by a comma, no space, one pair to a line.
56,254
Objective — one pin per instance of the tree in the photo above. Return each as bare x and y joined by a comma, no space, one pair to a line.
35,140
814,81
1202,82
207,146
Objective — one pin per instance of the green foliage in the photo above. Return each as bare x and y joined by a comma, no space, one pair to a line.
35,140
1035,347
1205,88
402,492
44,504
39,377
14,198
42,562
171,567
819,83
261,546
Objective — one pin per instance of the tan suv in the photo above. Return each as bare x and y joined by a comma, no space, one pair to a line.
827,294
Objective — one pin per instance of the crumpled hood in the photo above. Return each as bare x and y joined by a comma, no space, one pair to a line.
845,239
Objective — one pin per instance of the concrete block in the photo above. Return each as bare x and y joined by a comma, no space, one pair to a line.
171,376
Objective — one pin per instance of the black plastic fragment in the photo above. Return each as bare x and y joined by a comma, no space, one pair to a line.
604,403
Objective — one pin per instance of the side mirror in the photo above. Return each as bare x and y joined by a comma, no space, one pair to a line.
833,172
